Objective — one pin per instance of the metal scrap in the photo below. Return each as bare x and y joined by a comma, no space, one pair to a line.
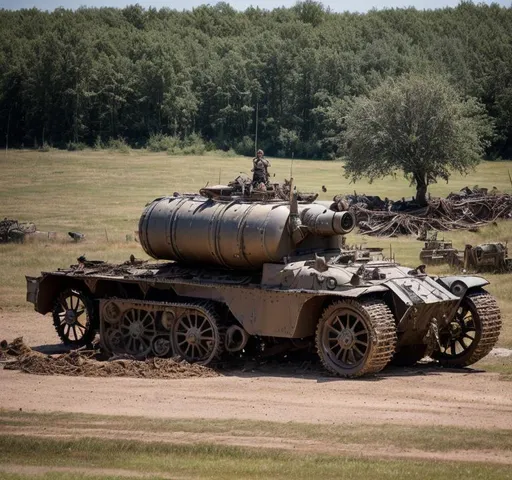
14,231
466,210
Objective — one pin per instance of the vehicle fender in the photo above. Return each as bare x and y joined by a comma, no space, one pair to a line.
43,290
459,285
359,291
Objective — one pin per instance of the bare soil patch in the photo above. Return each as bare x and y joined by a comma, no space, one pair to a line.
408,396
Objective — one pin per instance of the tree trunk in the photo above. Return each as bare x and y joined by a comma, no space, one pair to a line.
421,189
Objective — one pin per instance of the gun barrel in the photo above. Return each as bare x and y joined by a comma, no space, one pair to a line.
325,222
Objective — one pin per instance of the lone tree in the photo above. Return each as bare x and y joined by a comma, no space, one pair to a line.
417,124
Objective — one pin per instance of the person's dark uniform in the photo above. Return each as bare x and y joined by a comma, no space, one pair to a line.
260,169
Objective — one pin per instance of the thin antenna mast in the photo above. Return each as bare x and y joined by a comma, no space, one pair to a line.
256,134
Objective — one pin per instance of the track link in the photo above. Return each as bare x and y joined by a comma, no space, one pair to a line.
205,307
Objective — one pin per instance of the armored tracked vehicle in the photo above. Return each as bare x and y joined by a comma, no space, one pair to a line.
246,276
437,252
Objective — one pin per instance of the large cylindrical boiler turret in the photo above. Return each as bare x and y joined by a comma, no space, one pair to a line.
234,234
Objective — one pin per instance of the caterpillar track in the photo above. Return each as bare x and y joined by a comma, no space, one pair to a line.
189,330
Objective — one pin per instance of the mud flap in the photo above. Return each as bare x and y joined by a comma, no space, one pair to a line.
419,302
32,289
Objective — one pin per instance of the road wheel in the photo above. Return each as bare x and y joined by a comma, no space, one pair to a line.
74,317
196,336
356,338
472,333
138,331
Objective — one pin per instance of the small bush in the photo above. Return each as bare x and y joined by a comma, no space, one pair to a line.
198,149
230,153
98,144
210,146
75,146
162,143
118,144
245,146
191,145
45,147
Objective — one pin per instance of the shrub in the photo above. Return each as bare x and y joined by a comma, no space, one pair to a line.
118,144
45,147
75,146
191,145
245,146
98,144
159,142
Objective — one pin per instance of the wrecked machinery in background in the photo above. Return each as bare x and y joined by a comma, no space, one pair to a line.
13,231
469,209
487,257
248,278
438,252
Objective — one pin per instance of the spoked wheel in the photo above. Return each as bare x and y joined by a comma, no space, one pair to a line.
74,317
137,331
472,333
195,336
356,338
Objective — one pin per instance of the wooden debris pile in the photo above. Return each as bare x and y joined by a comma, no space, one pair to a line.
18,356
464,211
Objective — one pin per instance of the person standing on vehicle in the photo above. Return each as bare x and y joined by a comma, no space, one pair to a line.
260,169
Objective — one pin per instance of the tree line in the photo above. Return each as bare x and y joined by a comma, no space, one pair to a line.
74,78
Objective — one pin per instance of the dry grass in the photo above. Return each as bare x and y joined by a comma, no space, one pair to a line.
432,438
138,454
102,194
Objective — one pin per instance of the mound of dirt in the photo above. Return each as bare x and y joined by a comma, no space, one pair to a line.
18,356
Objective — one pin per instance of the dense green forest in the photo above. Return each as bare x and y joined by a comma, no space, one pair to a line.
83,77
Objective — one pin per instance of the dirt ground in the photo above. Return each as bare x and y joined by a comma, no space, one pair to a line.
418,396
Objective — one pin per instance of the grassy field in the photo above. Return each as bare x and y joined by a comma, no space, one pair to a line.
135,452
102,194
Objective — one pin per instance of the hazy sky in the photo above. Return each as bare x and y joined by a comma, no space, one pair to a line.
335,5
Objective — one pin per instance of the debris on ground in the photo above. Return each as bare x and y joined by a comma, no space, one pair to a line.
487,257
438,252
12,230
76,236
467,210
18,356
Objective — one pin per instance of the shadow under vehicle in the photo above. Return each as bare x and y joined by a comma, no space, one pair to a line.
248,277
